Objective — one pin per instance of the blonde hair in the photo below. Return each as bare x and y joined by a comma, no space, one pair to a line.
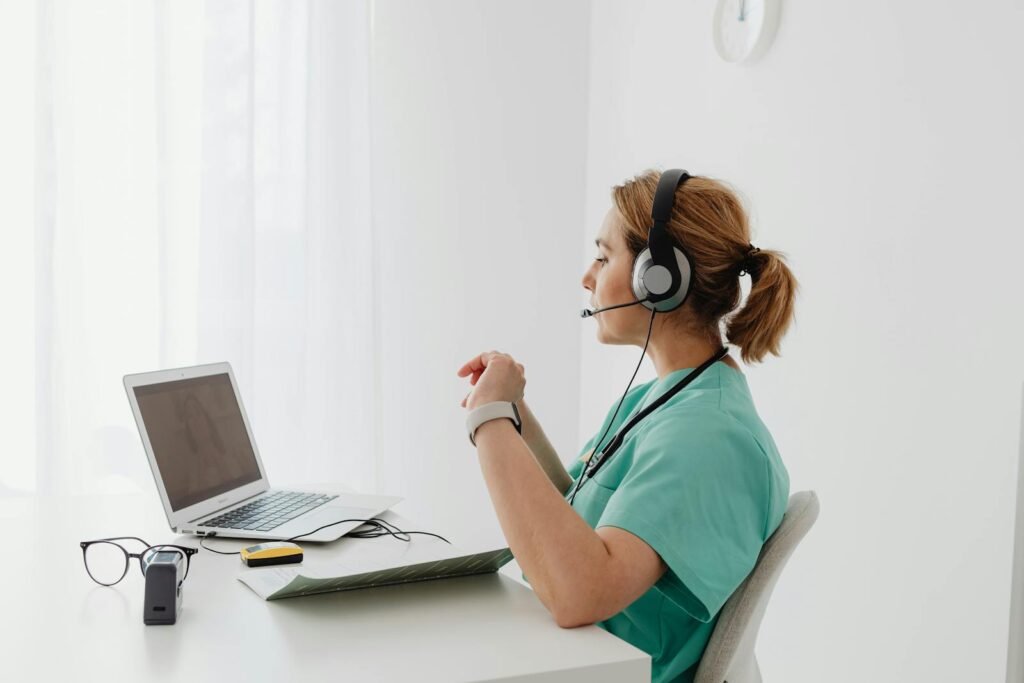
710,222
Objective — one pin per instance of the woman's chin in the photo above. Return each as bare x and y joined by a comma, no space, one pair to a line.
609,338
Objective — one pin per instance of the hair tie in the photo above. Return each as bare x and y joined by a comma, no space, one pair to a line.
747,263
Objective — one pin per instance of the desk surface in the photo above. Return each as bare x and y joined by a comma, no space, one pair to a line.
56,622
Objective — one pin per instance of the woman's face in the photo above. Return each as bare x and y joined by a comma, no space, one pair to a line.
608,281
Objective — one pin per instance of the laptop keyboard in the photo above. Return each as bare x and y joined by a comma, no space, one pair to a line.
268,512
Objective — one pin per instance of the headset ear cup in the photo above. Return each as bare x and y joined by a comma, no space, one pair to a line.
643,263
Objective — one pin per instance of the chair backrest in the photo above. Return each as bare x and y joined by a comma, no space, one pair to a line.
729,655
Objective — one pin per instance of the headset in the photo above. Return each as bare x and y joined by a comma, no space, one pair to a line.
661,278
663,270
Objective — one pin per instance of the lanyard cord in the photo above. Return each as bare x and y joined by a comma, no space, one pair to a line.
579,482
613,446
606,454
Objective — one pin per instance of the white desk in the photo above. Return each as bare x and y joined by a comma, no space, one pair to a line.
56,624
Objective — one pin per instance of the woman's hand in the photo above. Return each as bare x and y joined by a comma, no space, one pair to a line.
495,376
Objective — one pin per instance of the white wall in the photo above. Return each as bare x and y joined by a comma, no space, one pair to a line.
478,113
879,144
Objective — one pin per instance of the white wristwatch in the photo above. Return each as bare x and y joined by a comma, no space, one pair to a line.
492,411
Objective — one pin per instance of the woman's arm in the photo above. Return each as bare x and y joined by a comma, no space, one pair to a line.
581,575
542,449
532,432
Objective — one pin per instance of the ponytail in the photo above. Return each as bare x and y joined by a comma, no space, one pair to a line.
759,326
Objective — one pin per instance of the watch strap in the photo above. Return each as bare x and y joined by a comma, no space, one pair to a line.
492,411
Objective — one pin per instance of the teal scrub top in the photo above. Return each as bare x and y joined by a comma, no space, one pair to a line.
701,482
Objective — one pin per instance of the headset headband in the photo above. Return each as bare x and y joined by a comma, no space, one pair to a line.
659,241
665,196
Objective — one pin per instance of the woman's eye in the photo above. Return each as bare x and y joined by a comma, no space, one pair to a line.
601,260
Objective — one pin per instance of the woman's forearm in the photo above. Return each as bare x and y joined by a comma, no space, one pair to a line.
545,453
562,556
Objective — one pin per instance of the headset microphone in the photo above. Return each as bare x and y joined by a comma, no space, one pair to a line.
587,312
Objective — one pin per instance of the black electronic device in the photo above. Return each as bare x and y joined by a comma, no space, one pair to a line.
165,573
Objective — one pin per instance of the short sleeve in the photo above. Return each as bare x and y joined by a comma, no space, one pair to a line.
698,495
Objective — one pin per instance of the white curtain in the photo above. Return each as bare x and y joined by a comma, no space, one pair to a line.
192,187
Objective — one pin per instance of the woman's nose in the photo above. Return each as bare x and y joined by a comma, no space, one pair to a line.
588,278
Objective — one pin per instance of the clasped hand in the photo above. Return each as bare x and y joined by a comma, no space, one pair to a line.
495,376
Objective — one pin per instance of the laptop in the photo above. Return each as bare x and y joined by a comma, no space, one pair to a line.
209,472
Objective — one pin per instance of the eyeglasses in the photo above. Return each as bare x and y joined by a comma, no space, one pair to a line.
106,561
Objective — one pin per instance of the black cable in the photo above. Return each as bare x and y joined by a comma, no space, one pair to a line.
579,482
205,547
376,522
379,527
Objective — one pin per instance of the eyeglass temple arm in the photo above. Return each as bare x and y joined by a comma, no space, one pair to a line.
115,538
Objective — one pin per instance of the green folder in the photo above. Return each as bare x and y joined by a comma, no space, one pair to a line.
288,582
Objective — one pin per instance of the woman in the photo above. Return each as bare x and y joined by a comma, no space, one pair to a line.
652,545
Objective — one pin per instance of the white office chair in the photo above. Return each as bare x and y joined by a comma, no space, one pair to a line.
729,655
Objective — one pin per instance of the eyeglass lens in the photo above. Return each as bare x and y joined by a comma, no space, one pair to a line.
106,562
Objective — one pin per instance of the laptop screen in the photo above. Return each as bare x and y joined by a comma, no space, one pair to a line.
199,439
